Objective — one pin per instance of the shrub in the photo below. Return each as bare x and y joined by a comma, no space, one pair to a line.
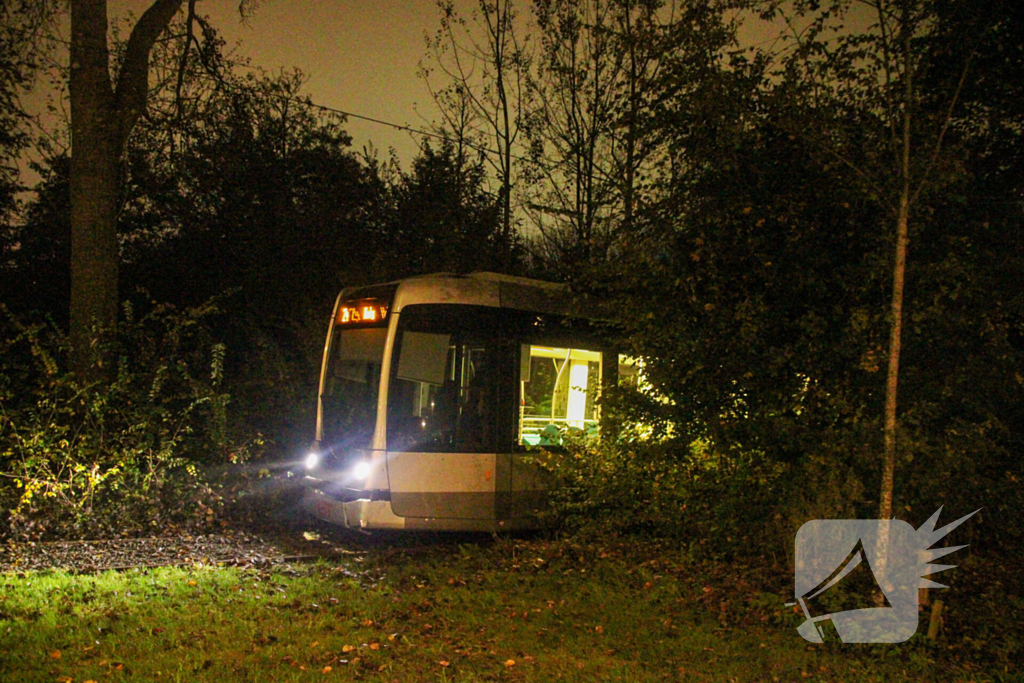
712,501
120,455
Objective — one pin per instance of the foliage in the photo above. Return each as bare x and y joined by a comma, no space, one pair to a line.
79,457
756,283
714,502
443,217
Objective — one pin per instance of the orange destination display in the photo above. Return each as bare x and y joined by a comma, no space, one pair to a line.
362,312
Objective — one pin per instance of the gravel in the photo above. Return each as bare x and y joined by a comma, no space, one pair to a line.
234,548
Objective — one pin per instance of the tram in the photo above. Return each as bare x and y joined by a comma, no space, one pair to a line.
437,394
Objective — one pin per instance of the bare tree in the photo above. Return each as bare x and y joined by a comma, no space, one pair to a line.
485,65
590,129
573,91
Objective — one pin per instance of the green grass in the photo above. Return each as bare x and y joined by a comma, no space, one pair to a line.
515,611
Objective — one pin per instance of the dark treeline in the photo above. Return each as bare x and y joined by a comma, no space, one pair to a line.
738,209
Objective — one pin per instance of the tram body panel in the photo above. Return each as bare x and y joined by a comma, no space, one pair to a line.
456,485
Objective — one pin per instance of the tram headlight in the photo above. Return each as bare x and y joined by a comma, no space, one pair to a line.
361,470
312,460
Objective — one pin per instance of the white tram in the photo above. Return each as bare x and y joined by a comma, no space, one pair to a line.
437,391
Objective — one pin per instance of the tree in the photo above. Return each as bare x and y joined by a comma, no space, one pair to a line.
592,91
444,219
103,114
897,142
573,92
23,45
486,65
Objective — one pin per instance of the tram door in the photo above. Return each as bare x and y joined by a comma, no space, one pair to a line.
446,403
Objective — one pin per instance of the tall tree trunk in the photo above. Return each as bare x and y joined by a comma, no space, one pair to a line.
102,116
94,190
899,273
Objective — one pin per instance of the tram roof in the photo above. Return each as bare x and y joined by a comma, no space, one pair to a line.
495,290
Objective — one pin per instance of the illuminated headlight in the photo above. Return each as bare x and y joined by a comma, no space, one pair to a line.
312,460
361,470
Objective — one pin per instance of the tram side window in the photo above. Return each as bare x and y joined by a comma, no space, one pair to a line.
442,395
558,393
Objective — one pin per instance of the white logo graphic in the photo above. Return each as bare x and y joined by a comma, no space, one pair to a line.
840,562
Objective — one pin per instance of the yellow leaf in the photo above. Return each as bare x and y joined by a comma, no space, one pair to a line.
192,582
374,646
510,663
64,679
55,654
367,622
327,670
347,648
314,643
392,637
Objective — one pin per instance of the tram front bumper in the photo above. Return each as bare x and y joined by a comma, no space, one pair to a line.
357,513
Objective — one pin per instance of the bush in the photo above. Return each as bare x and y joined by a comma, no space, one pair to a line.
712,501
116,456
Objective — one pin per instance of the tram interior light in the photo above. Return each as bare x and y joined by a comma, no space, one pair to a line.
312,460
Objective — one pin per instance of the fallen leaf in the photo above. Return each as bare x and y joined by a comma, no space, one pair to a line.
374,646
314,643
192,582
55,654
327,670
64,679
510,663
347,648
392,637
310,536
599,629
367,622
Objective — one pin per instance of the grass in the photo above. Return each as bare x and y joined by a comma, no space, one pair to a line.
491,611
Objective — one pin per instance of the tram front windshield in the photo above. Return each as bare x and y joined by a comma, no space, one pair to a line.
351,387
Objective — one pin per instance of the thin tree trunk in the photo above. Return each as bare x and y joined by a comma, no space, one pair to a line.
889,429
899,273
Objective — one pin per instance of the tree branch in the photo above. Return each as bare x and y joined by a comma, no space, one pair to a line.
133,81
